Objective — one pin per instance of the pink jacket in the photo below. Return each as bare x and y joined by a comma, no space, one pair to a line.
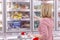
46,28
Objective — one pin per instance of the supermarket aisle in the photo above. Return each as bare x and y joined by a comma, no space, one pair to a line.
20,17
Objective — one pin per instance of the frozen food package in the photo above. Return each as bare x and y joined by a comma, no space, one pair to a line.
25,24
15,24
36,24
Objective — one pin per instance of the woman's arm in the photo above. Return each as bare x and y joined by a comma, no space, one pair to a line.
38,18
43,30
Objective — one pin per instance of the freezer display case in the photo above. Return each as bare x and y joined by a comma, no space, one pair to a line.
1,15
37,4
58,15
18,15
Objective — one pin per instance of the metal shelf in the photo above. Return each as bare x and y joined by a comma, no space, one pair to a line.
24,10
18,1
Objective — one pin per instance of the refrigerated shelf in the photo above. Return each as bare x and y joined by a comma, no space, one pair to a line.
25,19
22,10
37,10
51,2
18,1
20,19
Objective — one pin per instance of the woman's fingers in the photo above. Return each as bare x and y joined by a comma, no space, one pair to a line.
37,35
35,16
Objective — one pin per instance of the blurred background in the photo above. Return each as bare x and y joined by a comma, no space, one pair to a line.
17,18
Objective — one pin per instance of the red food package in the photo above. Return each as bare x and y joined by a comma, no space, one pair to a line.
22,33
36,38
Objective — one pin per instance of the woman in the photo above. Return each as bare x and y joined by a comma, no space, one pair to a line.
46,23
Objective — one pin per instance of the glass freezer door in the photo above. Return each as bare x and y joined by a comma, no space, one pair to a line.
37,4
58,15
36,12
17,15
1,15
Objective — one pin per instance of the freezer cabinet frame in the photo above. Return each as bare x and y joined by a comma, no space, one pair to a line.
18,30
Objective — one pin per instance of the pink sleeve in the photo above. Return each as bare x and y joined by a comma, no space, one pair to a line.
43,30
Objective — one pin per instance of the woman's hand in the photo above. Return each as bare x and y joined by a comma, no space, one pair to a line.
37,35
30,34
34,35
35,17
38,18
